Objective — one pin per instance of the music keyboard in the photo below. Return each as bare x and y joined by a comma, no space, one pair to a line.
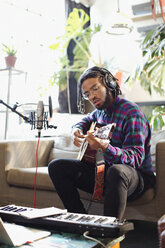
96,225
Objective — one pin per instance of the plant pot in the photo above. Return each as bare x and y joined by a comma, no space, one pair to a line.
10,61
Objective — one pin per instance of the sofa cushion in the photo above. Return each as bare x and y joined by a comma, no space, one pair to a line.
63,148
23,153
145,198
24,177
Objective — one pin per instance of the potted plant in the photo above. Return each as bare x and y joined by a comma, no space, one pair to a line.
10,59
151,72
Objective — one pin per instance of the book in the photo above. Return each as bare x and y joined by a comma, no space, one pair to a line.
32,213
17,235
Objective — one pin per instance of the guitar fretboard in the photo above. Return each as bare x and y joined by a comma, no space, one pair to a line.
102,132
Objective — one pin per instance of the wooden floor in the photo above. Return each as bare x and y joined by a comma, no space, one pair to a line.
145,235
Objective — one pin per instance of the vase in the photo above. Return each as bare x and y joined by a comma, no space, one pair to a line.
10,61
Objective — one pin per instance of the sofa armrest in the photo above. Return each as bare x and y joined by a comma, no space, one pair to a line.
3,146
22,153
160,174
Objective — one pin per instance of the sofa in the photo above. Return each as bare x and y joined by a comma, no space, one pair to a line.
161,231
21,164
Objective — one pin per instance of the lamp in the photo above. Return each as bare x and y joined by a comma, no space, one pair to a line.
120,23
86,3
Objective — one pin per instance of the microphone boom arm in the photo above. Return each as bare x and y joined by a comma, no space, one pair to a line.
32,121
15,111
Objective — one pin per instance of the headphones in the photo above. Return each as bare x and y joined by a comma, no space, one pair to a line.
109,80
108,77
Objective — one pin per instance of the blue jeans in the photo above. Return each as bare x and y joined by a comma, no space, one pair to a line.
121,183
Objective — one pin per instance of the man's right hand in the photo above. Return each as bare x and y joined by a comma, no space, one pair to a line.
78,137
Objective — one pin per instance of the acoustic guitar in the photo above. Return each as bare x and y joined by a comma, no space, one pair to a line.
102,131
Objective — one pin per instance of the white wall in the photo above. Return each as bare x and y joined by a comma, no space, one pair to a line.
121,52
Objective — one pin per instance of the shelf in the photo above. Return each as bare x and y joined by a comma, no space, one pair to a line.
9,72
13,70
144,17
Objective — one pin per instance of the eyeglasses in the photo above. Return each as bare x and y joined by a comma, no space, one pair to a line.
93,90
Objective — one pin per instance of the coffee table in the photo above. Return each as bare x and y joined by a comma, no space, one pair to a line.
70,240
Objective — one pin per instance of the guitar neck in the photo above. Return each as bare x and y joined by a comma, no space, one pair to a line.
84,145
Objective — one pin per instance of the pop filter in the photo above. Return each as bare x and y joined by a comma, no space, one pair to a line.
50,107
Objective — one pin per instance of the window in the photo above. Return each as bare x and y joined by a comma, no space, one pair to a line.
31,27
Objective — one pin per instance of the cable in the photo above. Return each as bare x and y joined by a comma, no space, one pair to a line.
85,234
35,176
89,204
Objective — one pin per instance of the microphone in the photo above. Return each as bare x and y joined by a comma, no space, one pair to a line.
37,119
40,113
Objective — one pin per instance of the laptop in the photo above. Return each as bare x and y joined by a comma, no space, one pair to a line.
17,235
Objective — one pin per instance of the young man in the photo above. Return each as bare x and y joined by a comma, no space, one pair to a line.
128,167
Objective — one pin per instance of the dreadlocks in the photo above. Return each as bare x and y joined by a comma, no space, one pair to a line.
106,78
